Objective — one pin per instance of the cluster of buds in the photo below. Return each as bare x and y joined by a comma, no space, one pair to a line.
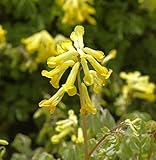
2,36
42,44
138,86
77,11
68,127
72,54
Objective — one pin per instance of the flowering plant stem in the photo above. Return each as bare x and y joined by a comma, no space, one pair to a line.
87,157
84,127
116,129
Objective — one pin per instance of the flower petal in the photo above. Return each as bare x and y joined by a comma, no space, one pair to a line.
69,85
88,78
58,60
98,67
99,55
53,101
86,104
77,36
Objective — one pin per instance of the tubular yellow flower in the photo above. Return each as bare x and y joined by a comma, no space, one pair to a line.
2,35
79,137
71,121
33,42
72,53
60,39
99,80
56,138
53,101
58,69
88,78
57,73
147,96
69,86
42,43
65,127
131,76
77,37
138,85
86,104
98,67
99,55
144,87
55,61
66,45
111,55
77,11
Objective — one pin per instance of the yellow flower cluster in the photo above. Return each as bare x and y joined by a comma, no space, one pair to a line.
77,11
41,43
138,86
68,127
2,36
72,54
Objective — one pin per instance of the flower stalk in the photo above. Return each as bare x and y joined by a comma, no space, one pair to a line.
87,156
72,54
84,127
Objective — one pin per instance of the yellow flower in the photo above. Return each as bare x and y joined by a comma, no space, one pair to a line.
71,121
111,55
77,11
138,85
131,76
86,104
99,81
77,37
42,43
99,55
53,101
69,86
147,96
88,78
58,60
2,35
103,71
79,137
64,46
57,73
57,138
65,127
72,53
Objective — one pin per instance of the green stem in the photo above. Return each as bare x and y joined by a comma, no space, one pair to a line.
87,157
104,137
99,142
84,127
151,147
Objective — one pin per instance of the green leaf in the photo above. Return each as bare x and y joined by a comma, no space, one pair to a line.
72,152
42,156
17,156
22,143
107,119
